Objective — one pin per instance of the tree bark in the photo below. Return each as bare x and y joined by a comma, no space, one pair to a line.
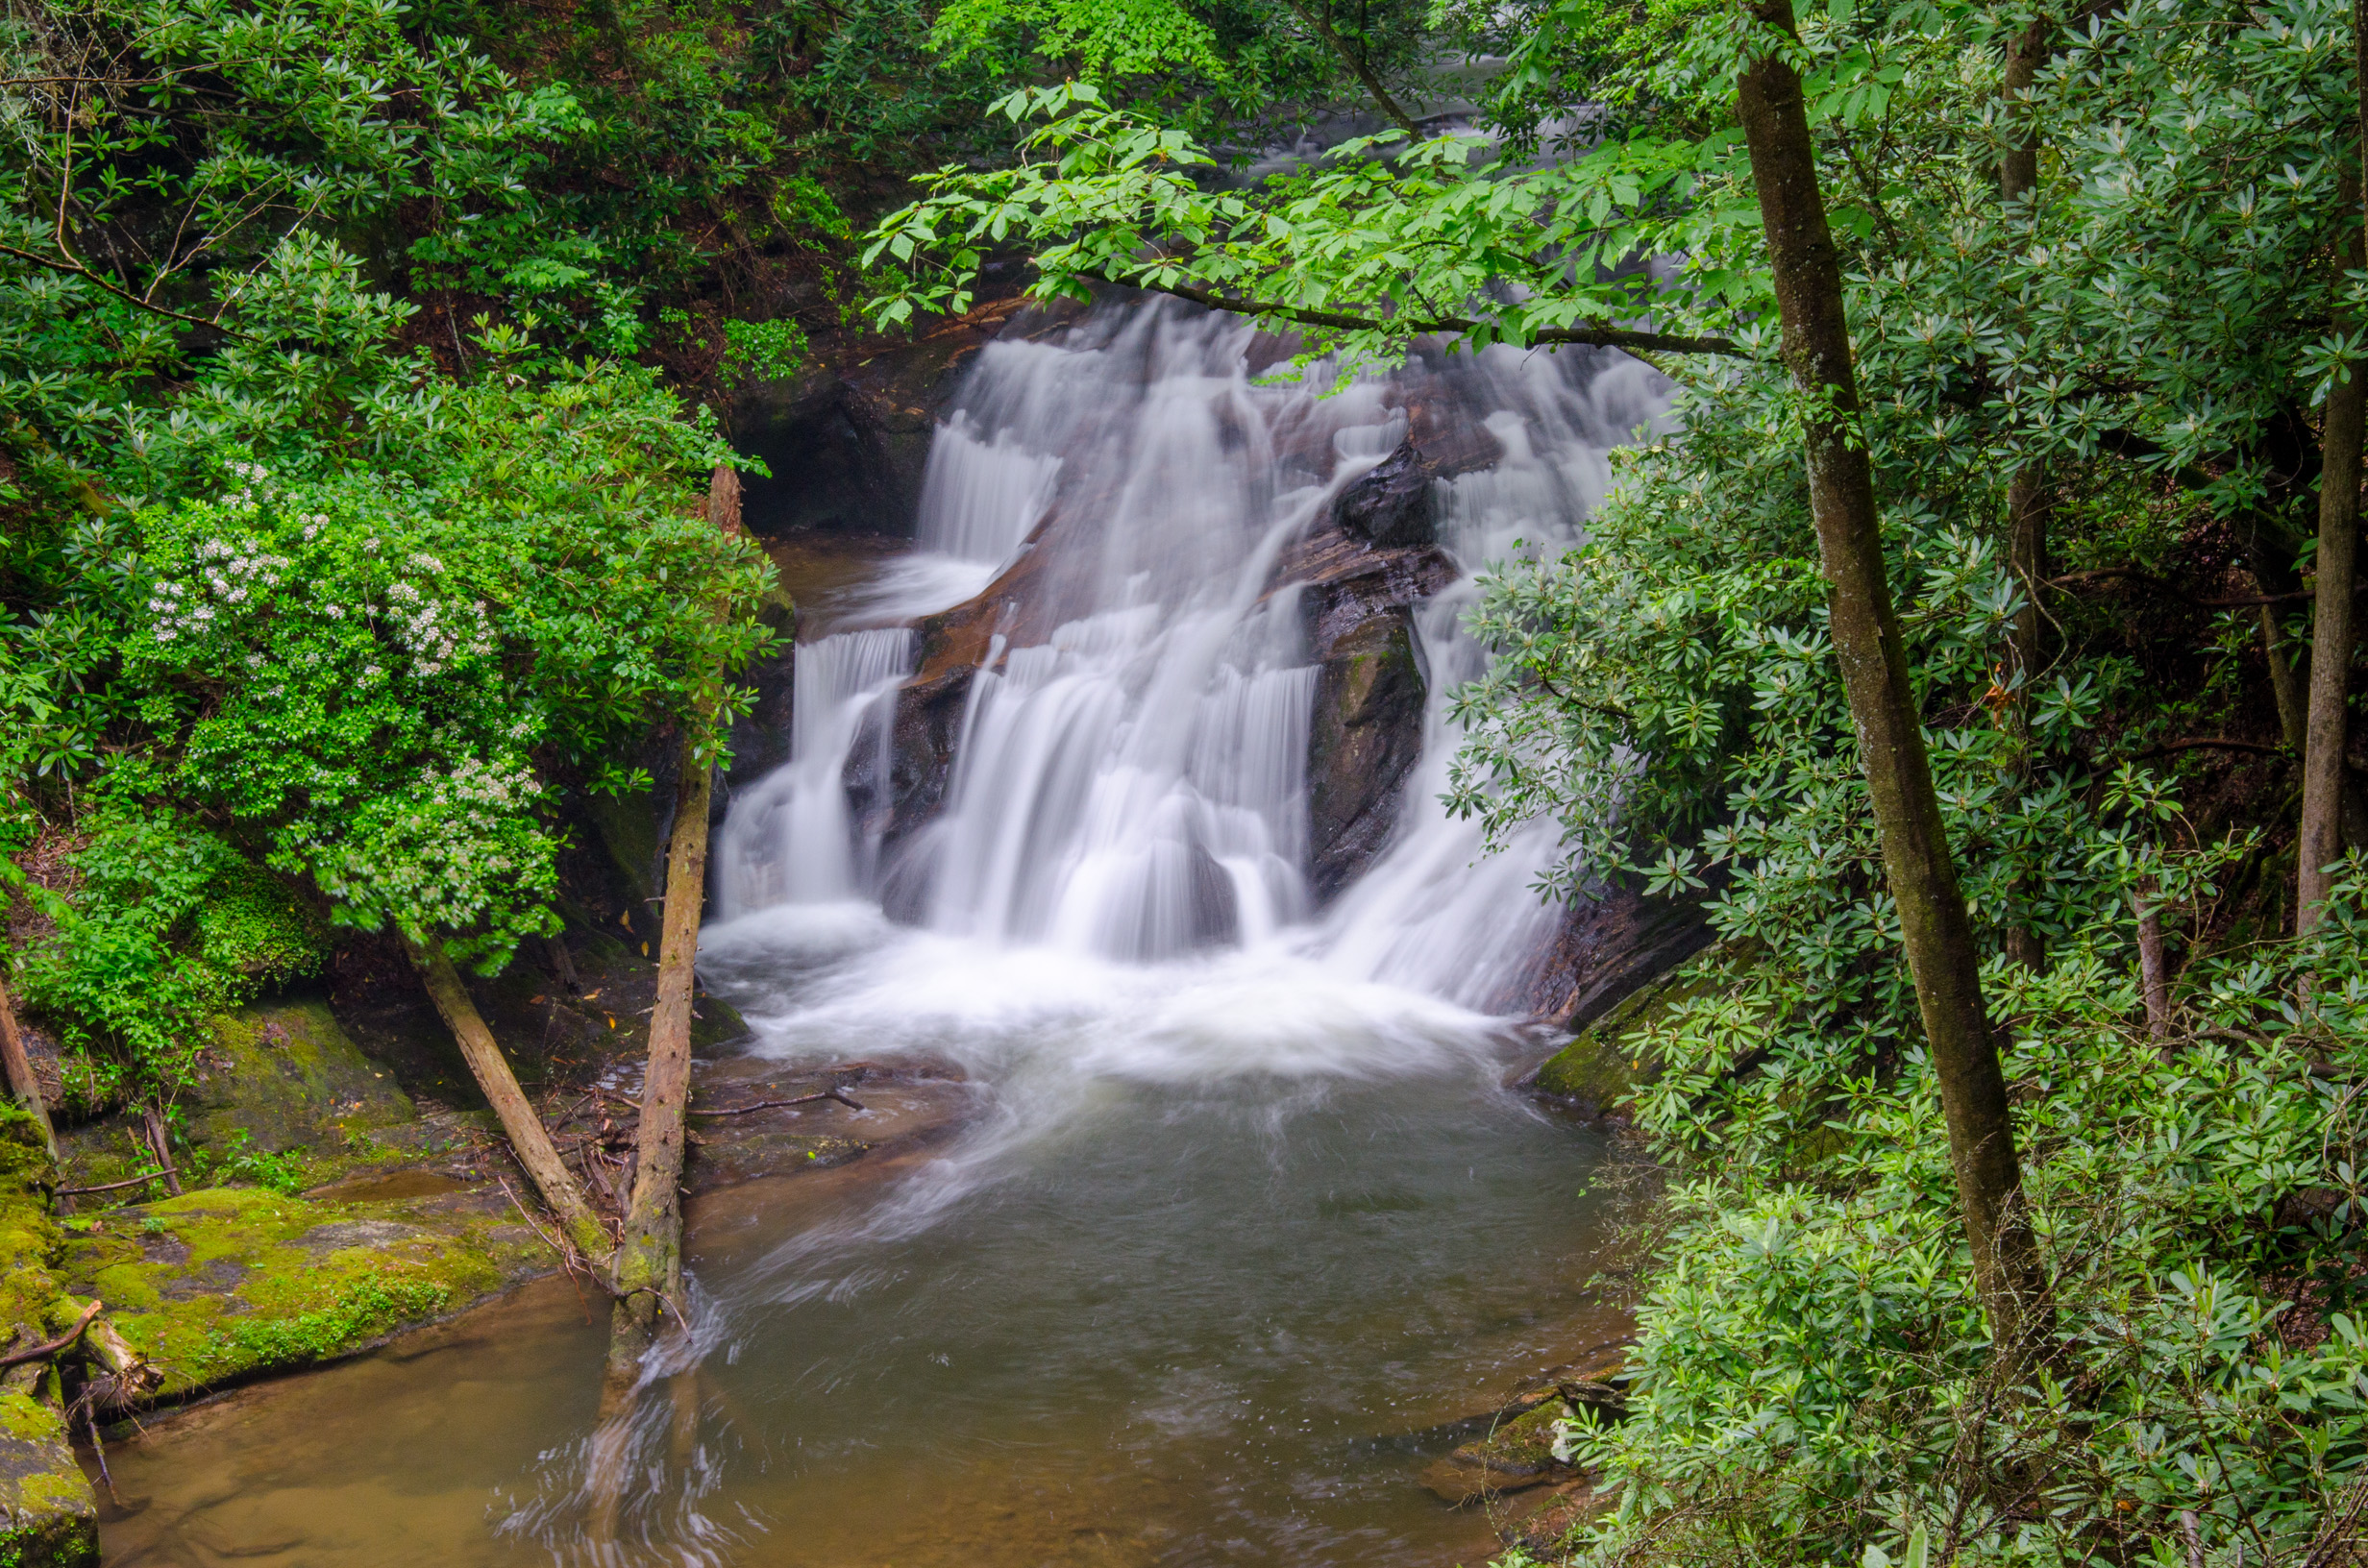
2018,166
2153,969
2331,637
648,1266
527,1137
2286,683
23,1083
1936,933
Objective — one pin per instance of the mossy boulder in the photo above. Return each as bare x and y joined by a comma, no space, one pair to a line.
1612,1057
287,1075
1516,1454
49,1516
220,1285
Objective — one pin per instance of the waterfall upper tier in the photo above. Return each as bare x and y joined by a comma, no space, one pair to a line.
1179,707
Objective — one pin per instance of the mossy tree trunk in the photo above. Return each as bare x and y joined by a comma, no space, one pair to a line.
2325,739
1868,644
2030,499
527,1137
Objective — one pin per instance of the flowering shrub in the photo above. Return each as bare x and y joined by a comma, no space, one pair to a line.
377,668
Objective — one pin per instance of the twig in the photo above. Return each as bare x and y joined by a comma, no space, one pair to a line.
112,1187
43,1352
838,1095
2211,742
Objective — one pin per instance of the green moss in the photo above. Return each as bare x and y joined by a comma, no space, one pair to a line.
30,1238
283,1076
1526,1442
244,1279
49,1517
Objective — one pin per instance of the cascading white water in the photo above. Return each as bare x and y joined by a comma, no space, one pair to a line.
794,839
1133,784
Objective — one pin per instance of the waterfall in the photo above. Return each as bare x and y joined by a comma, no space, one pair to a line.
1131,776
798,837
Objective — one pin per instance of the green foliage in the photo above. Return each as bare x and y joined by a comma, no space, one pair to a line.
168,925
361,1313
1812,1362
237,1159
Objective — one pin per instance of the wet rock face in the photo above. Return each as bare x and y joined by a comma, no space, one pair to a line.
848,445
1394,504
1357,601
1365,739
286,1074
1608,947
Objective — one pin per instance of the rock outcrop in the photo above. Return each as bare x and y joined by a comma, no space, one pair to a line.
848,444
1395,503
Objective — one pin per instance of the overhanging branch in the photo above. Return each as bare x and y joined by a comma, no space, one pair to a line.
1601,337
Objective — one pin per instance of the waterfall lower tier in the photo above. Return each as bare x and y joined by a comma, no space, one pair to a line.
1191,711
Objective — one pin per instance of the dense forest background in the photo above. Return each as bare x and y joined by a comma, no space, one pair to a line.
362,367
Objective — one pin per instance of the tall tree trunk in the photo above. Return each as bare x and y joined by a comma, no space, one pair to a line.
2030,497
648,1268
2331,636
23,1083
1867,642
527,1137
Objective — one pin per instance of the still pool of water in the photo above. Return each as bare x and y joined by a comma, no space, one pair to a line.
1220,1247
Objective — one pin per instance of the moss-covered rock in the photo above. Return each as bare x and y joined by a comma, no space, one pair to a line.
286,1074
219,1285
1516,1454
1612,1057
29,1238
49,1517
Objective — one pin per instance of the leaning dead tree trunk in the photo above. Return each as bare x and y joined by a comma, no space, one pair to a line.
529,1139
2332,638
1937,932
648,1268
23,1086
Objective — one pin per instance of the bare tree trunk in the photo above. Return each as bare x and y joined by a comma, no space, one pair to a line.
2330,639
160,1144
528,1138
2154,973
23,1083
1937,932
648,1266
2286,685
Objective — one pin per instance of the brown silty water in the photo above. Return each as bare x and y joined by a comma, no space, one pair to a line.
1240,1227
